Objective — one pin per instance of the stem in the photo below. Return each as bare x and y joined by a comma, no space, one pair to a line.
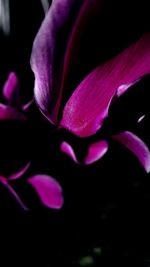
12,191
5,16
45,5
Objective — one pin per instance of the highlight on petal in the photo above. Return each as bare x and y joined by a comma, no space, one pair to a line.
10,113
11,90
27,106
88,106
48,54
20,172
68,150
96,151
136,146
123,88
141,118
48,189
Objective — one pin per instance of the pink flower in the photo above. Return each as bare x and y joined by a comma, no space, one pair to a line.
56,57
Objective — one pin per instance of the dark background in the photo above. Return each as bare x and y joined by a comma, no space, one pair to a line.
107,204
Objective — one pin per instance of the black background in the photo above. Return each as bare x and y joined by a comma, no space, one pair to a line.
106,204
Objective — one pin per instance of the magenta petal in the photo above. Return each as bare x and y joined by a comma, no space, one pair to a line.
67,149
96,151
136,146
11,90
88,106
48,54
48,189
10,113
20,172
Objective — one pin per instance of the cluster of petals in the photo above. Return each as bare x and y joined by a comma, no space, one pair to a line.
54,61
77,102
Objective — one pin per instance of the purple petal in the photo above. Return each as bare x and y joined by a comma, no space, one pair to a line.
11,90
88,106
20,172
48,54
96,151
67,149
136,146
10,113
48,189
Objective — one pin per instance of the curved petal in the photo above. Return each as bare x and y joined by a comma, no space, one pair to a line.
48,54
10,113
11,90
67,149
96,151
20,172
48,189
93,41
88,106
136,146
